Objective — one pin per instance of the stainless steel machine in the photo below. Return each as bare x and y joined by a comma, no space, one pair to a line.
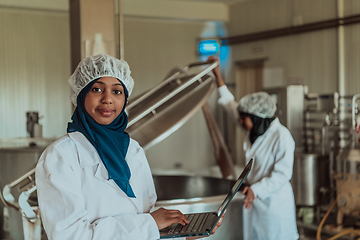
327,157
315,123
347,176
290,110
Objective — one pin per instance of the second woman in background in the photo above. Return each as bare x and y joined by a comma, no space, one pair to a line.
269,201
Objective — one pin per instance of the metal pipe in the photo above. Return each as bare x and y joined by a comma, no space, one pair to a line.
331,170
341,67
281,32
341,49
121,30
355,97
324,139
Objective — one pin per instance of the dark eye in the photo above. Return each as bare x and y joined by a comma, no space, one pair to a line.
118,92
95,89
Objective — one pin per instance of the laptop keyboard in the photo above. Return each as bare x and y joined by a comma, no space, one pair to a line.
196,223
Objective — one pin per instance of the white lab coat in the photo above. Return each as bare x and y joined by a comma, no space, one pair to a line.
272,214
77,201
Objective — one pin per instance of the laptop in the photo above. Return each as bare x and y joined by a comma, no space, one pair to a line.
202,224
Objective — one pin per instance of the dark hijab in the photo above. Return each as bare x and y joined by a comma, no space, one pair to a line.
110,141
260,125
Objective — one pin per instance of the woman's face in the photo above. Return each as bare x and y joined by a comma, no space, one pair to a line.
105,100
245,122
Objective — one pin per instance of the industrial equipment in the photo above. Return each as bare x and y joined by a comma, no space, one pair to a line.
327,156
290,109
348,178
20,196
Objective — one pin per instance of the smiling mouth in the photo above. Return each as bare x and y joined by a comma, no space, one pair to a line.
105,112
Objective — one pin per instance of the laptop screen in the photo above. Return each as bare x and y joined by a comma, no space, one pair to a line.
235,188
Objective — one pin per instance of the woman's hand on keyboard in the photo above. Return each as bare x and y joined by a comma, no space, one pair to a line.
164,217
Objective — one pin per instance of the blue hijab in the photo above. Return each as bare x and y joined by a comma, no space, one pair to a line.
110,141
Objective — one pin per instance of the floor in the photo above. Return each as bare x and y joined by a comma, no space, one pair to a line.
310,234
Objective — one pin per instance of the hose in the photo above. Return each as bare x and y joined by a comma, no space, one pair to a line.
342,233
318,233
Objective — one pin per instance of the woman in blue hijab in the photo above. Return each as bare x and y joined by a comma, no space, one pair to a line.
95,181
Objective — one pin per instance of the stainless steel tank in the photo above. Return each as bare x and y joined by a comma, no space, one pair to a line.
310,178
193,194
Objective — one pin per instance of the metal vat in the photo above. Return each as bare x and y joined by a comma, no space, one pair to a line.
193,194
310,178
158,113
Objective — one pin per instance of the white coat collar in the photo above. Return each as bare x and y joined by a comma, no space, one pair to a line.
88,155
274,125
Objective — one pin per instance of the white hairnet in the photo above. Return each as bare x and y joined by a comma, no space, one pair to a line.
98,66
260,104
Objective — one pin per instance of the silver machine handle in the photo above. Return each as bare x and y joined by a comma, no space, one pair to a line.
24,186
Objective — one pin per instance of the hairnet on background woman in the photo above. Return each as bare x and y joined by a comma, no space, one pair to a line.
260,107
260,104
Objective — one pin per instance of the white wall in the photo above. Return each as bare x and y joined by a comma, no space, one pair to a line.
34,68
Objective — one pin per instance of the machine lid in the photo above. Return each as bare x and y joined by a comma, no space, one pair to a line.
158,113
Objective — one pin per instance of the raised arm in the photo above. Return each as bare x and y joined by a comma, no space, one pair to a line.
216,71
